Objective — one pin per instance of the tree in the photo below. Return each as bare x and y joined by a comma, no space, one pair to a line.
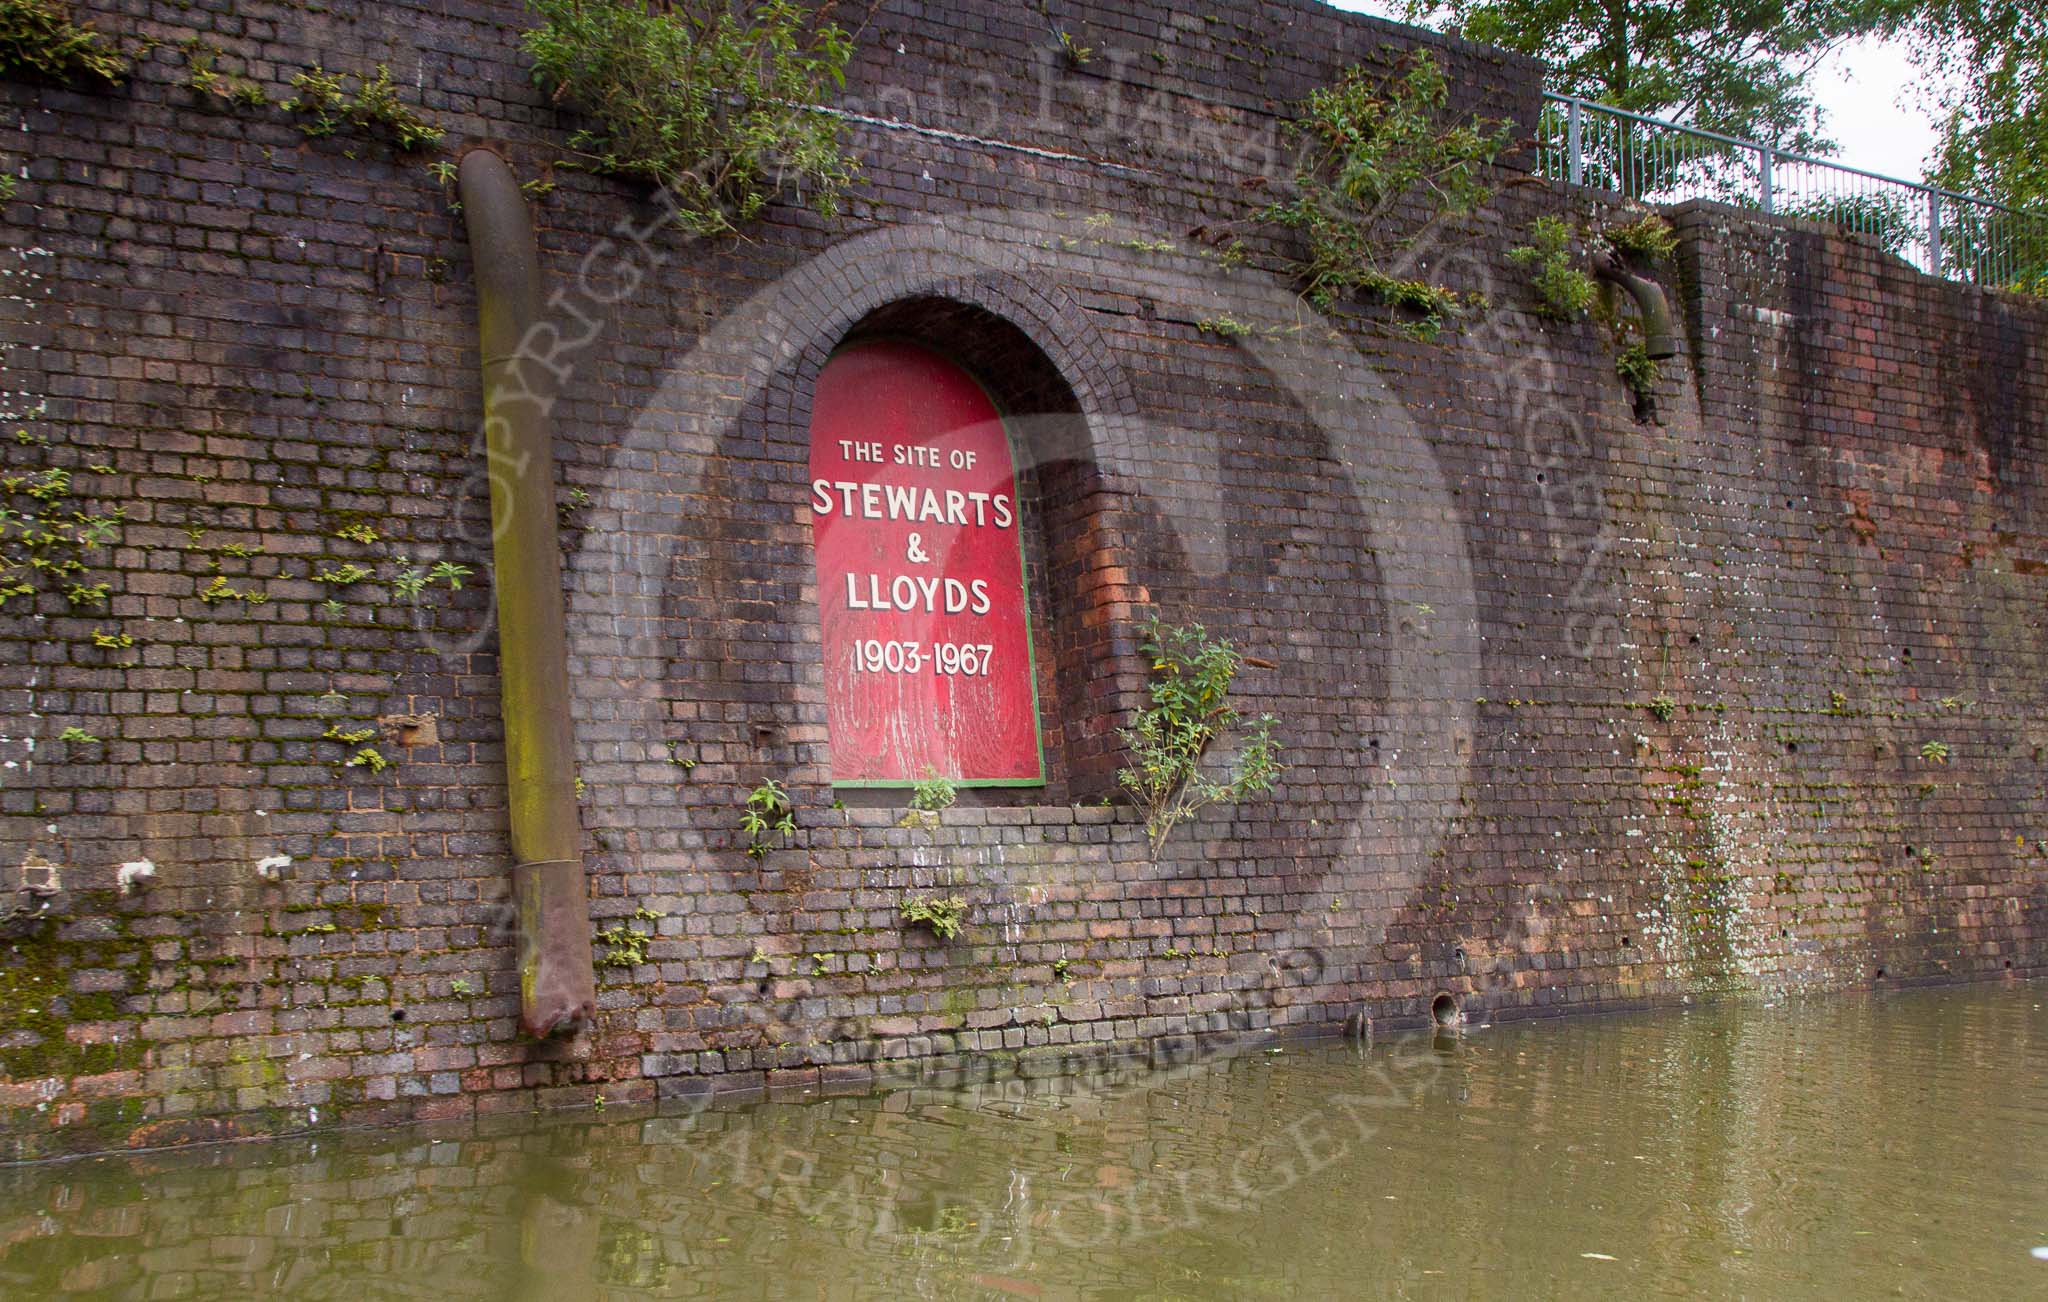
1741,67
1737,67
1987,64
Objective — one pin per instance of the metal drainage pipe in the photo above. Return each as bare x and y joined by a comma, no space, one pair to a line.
1660,339
557,981
1444,1010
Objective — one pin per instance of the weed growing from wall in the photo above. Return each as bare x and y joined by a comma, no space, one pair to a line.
1647,239
625,945
44,540
768,814
40,40
1377,144
205,79
944,916
933,794
1190,712
221,590
411,580
324,104
715,105
1633,363
1563,291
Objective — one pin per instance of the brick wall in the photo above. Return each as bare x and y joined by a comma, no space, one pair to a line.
1579,711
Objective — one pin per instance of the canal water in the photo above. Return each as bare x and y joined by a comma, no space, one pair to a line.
1844,1147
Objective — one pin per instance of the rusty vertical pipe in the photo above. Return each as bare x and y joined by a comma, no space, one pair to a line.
557,982
1660,337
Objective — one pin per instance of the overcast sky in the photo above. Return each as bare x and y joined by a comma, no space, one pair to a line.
1861,88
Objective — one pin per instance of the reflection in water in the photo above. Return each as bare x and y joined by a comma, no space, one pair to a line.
1848,1147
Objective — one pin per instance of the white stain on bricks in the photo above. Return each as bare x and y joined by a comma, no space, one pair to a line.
24,291
1769,316
272,867
135,874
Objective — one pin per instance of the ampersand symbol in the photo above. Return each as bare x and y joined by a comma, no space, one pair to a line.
916,554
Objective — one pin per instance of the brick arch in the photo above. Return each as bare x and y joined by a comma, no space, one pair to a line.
818,304
689,627
1071,413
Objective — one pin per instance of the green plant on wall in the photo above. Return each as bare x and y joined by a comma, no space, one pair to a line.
221,590
342,576
1072,52
44,541
205,79
927,799
324,104
411,580
625,945
768,814
1375,144
1563,291
40,39
944,915
369,757
364,757
1190,712
933,794
1649,238
1633,363
716,104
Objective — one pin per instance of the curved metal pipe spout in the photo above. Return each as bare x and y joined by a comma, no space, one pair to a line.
1660,339
557,980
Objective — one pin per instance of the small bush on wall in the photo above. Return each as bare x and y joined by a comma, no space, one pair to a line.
39,39
1563,292
1190,712
720,107
1377,144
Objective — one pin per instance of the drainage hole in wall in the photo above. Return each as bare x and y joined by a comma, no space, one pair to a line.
762,989
1627,943
398,1014
1444,1009
1791,748
1880,974
1458,954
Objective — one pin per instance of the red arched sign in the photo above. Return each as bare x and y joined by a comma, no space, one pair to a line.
920,574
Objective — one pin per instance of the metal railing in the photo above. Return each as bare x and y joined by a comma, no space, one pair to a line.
1956,236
